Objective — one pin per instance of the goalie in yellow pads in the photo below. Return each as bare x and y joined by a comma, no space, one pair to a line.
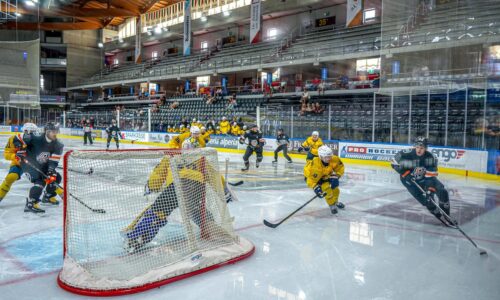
147,225
13,146
322,174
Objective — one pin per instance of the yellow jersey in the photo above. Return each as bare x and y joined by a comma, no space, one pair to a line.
315,170
224,127
309,143
176,142
10,150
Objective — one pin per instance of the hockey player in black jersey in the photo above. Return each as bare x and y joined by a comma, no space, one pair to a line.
43,152
419,166
113,133
283,141
255,143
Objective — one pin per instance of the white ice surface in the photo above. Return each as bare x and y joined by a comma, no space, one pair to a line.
384,245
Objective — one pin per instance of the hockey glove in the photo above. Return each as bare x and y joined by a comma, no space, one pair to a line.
334,181
21,155
300,149
242,141
51,176
307,149
318,191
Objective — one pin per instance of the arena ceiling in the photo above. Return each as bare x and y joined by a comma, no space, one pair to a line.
78,14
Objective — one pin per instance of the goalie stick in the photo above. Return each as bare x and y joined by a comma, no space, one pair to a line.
454,222
96,210
274,225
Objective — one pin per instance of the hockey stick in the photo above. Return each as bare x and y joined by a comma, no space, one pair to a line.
269,224
429,195
237,183
89,172
96,210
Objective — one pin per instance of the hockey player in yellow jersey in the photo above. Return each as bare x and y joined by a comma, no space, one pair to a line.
311,145
205,134
322,174
183,129
194,137
235,129
11,149
224,125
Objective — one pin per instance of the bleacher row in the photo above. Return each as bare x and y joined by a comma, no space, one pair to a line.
199,109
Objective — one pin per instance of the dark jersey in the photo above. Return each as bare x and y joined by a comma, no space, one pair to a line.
253,138
41,152
408,160
113,131
282,139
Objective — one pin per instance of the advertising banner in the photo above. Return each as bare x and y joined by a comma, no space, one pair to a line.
138,42
462,159
354,13
187,27
255,21
220,141
6,129
135,136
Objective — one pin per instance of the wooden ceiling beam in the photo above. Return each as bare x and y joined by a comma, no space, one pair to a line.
52,26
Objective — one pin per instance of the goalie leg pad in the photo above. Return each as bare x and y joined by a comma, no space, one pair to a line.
147,226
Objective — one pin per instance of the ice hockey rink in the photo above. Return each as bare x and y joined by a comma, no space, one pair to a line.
384,245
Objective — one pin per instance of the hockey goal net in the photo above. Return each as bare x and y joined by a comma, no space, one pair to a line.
138,219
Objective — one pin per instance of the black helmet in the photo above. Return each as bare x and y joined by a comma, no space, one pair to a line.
280,130
252,126
51,127
421,141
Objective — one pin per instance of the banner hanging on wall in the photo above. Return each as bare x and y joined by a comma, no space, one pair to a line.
354,13
255,22
187,27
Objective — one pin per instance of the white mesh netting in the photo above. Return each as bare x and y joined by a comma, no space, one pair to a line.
165,216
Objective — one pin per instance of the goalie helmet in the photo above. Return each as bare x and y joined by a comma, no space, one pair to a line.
195,130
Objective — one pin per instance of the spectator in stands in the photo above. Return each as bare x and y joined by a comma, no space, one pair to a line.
210,125
321,88
310,109
318,109
303,109
344,82
174,105
235,129
247,86
305,97
232,102
218,94
209,100
163,100
224,126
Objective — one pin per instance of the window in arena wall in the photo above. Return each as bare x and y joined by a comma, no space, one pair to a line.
272,33
202,81
369,15
116,61
204,45
368,66
154,55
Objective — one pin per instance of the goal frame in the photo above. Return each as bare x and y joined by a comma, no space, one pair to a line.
137,289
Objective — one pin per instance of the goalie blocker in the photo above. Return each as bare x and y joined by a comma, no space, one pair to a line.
183,223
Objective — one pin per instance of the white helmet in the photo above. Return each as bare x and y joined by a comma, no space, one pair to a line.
324,151
195,130
203,128
315,133
181,126
30,127
224,118
194,120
